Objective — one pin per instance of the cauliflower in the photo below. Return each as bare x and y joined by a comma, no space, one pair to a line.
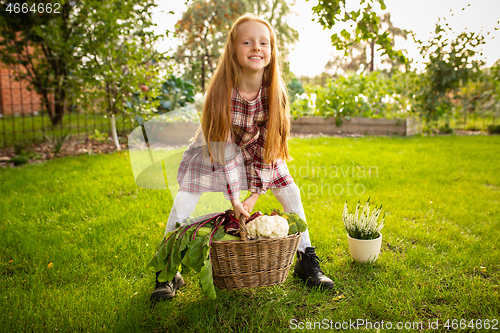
267,227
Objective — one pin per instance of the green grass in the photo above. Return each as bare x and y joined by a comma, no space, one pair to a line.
30,128
440,256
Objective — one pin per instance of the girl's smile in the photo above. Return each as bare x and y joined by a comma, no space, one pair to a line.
253,47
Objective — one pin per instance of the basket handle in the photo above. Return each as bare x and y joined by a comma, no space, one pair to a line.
243,229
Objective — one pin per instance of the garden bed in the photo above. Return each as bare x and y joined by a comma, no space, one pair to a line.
39,152
360,126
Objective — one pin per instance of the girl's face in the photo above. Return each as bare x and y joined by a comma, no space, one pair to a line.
253,46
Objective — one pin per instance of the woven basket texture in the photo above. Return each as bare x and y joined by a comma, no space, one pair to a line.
252,263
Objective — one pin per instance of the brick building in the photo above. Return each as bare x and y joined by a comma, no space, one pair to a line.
15,98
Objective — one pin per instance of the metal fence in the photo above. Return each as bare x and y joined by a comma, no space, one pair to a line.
23,121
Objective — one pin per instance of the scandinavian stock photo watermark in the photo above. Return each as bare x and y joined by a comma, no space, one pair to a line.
335,180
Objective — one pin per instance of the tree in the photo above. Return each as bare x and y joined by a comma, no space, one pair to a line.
450,65
46,46
88,52
360,59
481,95
120,59
356,60
366,22
394,32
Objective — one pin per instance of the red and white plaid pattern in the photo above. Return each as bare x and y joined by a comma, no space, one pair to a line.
245,168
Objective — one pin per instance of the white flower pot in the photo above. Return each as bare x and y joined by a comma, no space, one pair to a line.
364,250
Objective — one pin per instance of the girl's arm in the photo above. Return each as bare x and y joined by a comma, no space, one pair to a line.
238,209
249,202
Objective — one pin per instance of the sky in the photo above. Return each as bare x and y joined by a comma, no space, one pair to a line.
313,50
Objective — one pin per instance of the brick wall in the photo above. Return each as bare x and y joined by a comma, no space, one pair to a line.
15,98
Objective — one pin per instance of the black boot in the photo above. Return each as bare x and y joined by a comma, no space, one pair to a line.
307,268
166,290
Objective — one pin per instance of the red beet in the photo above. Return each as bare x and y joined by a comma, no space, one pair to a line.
231,225
254,216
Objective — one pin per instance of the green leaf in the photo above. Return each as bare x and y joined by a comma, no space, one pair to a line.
184,242
219,234
206,280
157,264
206,248
195,253
171,269
344,33
185,260
163,276
168,246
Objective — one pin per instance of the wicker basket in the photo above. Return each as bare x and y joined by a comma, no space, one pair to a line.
252,263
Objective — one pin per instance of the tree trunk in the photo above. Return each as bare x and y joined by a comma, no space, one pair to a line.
465,112
203,73
113,131
372,56
56,117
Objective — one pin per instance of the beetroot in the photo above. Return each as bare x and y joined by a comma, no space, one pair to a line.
232,228
232,225
254,216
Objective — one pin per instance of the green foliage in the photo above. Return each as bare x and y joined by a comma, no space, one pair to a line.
175,92
18,147
371,95
366,24
301,107
446,128
53,54
480,98
19,160
295,89
360,55
183,247
85,215
363,224
450,65
123,66
494,129
93,53
57,142
99,136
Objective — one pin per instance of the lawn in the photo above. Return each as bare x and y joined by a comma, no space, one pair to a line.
77,233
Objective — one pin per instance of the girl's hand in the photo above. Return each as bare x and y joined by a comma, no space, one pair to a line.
239,208
249,202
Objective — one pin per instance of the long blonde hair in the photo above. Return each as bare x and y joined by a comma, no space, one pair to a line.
216,117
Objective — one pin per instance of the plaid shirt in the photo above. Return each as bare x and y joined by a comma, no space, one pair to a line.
245,168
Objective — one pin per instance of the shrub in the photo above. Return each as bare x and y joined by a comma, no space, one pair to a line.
494,129
446,129
19,160
372,95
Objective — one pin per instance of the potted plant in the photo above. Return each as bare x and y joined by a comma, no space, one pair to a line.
363,232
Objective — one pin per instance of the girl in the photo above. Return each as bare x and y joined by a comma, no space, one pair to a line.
247,107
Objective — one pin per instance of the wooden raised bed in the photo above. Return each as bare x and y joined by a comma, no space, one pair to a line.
361,126
180,133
